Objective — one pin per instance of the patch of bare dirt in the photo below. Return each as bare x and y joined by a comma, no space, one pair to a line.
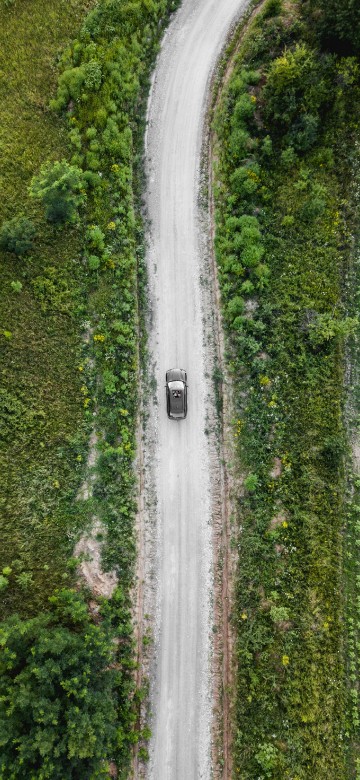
113,770
86,488
89,548
250,307
356,454
276,470
278,520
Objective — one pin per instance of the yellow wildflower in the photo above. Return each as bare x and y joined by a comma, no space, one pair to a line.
264,381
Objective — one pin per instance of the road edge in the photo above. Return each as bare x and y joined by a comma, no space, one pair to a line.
224,550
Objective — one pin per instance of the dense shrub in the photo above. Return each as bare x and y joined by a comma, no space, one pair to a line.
326,327
338,22
57,707
297,92
60,186
16,235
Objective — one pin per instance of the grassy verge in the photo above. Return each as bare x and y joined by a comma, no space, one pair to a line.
70,339
352,526
285,129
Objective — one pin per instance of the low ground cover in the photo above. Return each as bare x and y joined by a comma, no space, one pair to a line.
285,130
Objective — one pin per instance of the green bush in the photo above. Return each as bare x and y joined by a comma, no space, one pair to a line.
3,582
245,181
326,327
267,758
267,146
234,307
93,75
96,237
315,204
93,262
303,133
279,614
240,144
109,381
16,286
60,187
297,87
251,483
288,157
57,710
16,235
273,8
70,87
244,108
75,138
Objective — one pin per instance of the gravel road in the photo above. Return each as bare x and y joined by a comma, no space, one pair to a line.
181,677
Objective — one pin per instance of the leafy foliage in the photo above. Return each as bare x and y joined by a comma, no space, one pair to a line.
60,187
326,327
57,703
338,23
16,235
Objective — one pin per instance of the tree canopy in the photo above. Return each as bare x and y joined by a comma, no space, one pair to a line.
338,22
57,709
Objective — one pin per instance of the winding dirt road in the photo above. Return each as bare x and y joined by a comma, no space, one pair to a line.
181,685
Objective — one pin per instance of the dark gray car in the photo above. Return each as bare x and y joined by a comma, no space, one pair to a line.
176,393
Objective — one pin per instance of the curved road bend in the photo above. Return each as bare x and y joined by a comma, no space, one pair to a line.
180,688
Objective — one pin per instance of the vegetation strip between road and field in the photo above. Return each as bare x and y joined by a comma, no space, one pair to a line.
285,214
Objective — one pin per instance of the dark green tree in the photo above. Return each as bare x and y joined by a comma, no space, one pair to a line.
16,235
57,710
337,22
61,188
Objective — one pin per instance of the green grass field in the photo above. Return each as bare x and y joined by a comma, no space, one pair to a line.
42,413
